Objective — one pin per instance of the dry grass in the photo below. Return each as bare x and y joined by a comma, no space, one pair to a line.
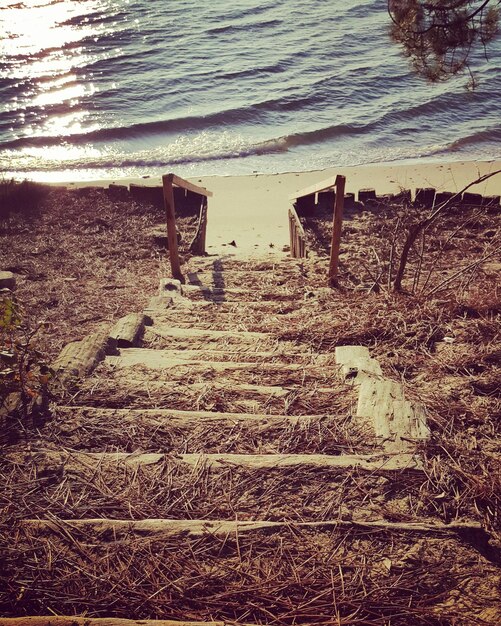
443,345
81,259
443,342
72,485
268,577
126,430
456,251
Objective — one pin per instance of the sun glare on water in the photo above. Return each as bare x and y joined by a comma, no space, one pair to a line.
42,47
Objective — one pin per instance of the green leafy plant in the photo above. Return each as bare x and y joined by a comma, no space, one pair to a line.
24,376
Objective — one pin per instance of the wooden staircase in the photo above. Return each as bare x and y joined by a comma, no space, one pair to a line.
217,474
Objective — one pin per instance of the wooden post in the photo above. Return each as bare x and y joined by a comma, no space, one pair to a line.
204,215
197,246
336,230
171,226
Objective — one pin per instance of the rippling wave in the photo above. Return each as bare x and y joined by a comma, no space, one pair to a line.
270,85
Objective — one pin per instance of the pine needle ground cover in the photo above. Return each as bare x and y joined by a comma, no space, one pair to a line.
83,259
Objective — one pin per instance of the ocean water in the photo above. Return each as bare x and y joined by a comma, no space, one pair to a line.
99,88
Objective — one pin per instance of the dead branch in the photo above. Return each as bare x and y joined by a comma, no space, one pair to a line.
415,230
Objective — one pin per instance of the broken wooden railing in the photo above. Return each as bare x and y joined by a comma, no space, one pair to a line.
174,185
297,236
330,191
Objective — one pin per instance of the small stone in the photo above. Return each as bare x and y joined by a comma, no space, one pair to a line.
7,280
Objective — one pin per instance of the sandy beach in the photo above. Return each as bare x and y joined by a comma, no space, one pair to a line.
252,210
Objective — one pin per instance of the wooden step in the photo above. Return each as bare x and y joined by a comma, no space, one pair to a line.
245,371
126,430
165,359
216,294
60,620
369,463
245,278
180,418
283,574
201,334
269,487
268,297
235,264
142,361
230,317
136,388
199,528
240,307
164,336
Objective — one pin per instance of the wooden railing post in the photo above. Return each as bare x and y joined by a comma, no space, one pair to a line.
170,210
197,246
337,223
297,237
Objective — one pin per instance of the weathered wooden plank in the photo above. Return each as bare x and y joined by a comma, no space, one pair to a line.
442,196
297,221
366,195
223,527
197,245
395,419
158,359
146,193
323,185
196,333
297,235
326,200
128,330
305,205
188,290
247,389
181,182
356,362
337,224
171,227
176,417
369,463
79,358
471,199
60,620
425,197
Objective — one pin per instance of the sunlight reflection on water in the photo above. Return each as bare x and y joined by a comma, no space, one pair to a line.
209,86
42,47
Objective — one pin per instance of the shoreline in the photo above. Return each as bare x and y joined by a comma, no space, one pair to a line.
251,209
416,163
